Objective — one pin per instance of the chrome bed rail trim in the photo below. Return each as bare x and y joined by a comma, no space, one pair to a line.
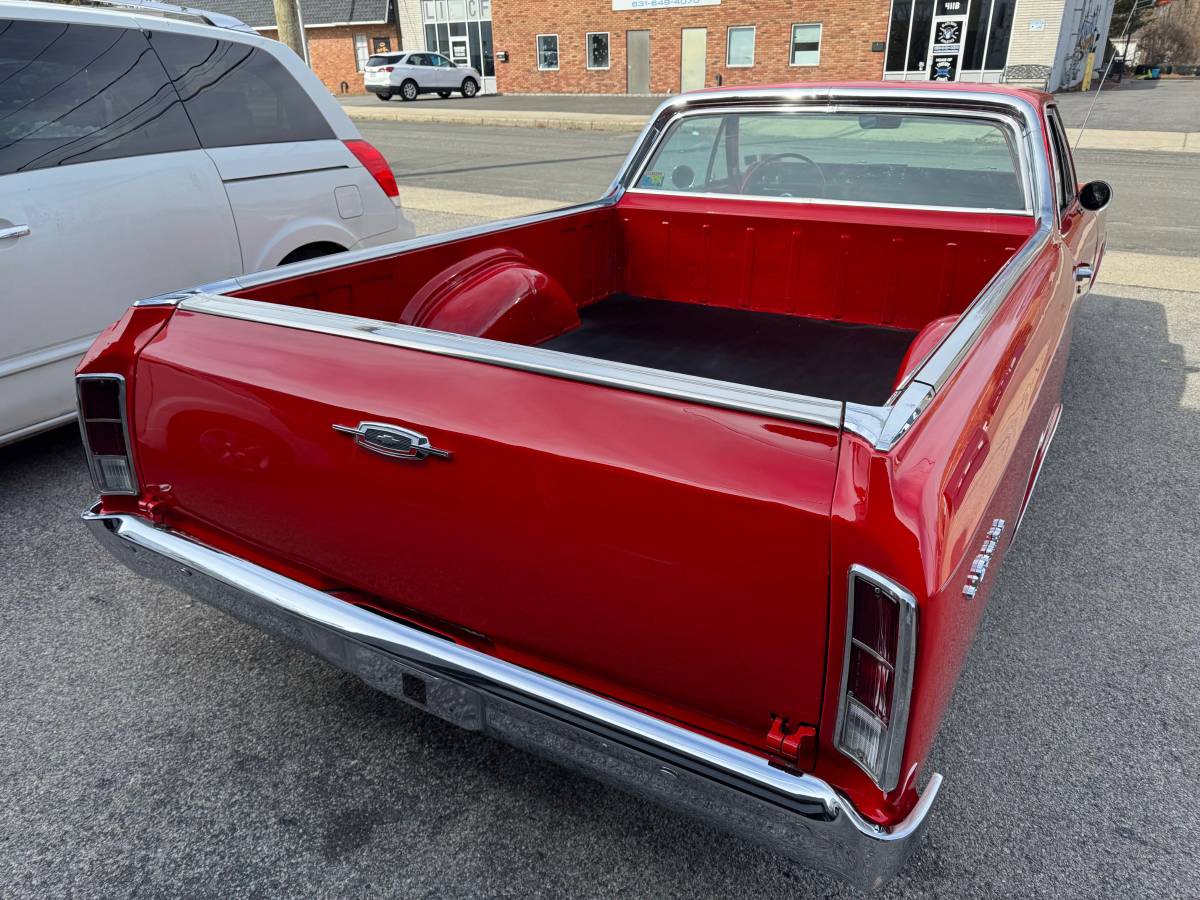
797,815
707,391
352,257
883,426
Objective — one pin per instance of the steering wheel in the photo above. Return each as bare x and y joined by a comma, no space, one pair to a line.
754,174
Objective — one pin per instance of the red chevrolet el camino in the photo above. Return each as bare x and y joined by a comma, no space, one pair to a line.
699,488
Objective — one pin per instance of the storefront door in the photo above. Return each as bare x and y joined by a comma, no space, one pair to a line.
946,44
637,62
692,57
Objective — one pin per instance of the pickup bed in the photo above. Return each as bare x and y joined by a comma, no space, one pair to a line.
698,487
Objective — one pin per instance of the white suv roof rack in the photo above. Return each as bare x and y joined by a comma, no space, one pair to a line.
168,10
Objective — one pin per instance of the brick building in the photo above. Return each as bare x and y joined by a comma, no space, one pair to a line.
339,34
663,46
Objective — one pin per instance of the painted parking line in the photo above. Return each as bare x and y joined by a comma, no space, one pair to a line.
1150,270
468,203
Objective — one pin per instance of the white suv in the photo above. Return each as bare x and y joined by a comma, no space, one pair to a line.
143,151
410,74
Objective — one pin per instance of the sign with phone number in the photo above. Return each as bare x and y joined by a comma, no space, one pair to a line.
660,4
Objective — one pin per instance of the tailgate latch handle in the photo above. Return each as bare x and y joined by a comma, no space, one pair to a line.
392,441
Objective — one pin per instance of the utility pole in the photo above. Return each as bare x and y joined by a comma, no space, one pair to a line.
290,26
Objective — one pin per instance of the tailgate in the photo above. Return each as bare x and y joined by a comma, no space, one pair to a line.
669,554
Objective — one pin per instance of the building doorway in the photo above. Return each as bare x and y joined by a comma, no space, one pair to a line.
637,62
692,56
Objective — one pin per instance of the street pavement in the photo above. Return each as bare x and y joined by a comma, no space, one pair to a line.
1154,212
153,747
1137,115
1133,105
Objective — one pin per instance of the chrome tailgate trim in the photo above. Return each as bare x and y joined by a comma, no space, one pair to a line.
658,382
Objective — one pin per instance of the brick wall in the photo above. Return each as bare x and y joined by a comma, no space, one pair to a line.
331,53
849,29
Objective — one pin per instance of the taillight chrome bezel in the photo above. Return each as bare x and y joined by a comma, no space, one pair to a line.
887,773
93,458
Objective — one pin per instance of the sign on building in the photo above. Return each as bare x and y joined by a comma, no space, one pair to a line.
660,4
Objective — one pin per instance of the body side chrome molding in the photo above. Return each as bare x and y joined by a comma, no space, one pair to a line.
1039,459
707,391
795,814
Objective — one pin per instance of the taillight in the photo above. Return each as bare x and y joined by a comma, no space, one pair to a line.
104,423
374,163
881,641
387,69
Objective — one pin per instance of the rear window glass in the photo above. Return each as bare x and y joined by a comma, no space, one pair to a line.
921,160
238,94
74,93
376,61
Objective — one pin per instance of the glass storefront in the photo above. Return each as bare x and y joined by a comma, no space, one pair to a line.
988,29
462,31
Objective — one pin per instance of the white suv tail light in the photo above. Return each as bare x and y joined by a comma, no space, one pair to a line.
877,673
104,423
373,161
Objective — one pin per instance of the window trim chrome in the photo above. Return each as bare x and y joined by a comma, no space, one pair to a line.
1004,121
906,654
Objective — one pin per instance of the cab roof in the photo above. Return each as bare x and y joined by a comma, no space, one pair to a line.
1038,98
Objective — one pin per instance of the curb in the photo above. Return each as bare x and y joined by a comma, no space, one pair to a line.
509,119
1138,141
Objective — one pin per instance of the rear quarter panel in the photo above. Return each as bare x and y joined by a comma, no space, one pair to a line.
920,513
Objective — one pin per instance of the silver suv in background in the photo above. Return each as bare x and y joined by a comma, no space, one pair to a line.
143,151
411,74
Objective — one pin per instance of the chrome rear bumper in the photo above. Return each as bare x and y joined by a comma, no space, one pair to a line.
799,816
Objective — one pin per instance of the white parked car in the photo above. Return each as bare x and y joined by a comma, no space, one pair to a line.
410,74
142,152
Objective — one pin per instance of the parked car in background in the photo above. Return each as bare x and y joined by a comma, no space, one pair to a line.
141,153
700,487
411,74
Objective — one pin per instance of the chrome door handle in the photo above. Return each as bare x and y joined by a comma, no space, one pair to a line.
14,231
1083,272
392,441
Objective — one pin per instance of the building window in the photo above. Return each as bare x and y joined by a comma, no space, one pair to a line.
361,51
597,49
739,47
806,45
999,34
547,52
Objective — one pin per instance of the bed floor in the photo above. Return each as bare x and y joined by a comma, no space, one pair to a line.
833,360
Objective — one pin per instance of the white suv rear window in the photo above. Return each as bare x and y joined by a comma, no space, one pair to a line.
73,93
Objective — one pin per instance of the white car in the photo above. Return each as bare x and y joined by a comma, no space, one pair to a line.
409,74
143,150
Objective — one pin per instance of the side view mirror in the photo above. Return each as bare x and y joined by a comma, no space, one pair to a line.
1095,195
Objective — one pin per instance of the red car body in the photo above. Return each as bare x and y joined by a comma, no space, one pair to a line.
623,562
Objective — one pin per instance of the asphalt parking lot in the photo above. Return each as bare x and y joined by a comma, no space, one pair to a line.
154,747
